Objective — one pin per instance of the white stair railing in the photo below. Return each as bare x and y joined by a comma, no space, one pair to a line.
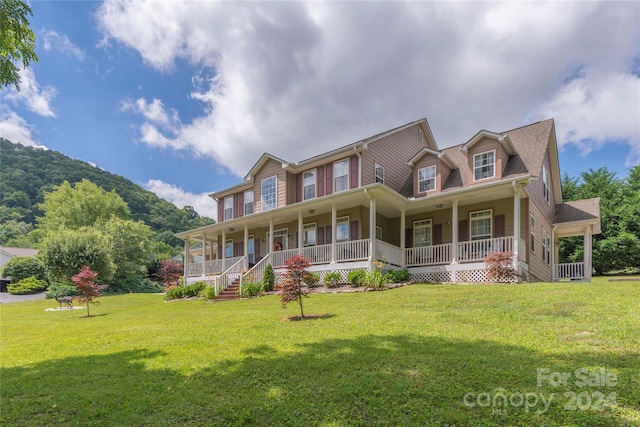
221,281
255,273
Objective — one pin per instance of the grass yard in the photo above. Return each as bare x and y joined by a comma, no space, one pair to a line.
420,355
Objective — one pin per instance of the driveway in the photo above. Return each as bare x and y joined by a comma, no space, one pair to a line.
7,298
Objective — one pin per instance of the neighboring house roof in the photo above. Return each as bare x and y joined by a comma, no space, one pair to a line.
18,252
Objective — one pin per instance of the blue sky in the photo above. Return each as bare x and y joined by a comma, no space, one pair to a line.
183,97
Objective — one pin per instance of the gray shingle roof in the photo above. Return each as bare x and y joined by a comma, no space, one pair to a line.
580,210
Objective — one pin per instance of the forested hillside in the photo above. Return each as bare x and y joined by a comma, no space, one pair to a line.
26,173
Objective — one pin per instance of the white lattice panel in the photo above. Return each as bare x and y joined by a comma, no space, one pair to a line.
434,277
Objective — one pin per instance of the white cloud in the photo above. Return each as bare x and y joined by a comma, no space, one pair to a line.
31,95
61,43
202,203
16,129
296,79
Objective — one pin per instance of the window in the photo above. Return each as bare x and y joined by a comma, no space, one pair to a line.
309,234
426,179
420,135
422,233
269,193
532,233
342,229
378,232
228,208
228,248
379,174
481,225
484,165
545,185
341,175
251,249
309,185
546,248
248,202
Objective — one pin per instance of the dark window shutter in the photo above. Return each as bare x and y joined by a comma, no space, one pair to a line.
498,226
437,234
320,182
320,235
256,250
353,172
328,235
220,210
238,210
353,230
239,249
463,231
408,238
329,179
299,187
220,252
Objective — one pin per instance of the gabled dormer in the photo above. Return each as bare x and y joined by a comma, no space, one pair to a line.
431,168
487,156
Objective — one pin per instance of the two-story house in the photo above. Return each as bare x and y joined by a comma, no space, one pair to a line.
397,198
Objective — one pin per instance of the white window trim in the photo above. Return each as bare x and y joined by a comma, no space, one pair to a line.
378,232
471,219
340,221
310,226
245,203
423,223
480,167
420,135
428,179
546,250
546,188
226,245
532,233
340,176
378,178
228,209
262,198
315,184
249,251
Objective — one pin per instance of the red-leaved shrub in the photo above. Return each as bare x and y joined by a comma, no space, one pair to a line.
499,267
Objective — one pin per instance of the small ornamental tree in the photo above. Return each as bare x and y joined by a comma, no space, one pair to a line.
294,287
499,267
87,289
169,273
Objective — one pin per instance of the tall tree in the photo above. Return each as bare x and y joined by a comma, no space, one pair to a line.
131,245
17,41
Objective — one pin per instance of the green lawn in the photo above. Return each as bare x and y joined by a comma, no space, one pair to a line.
419,355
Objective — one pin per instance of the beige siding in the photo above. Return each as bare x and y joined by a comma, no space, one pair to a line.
536,193
537,267
442,172
291,188
392,152
271,168
482,146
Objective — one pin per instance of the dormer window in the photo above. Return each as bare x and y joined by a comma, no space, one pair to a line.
426,179
379,174
309,184
484,165
341,175
228,208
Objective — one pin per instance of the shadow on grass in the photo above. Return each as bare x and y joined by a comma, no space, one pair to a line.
398,380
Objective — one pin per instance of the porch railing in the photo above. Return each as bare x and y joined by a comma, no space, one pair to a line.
569,271
354,250
429,255
477,250
215,266
256,273
388,253
222,280
317,254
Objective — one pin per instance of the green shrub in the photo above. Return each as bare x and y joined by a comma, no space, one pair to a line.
192,290
29,285
144,286
374,279
332,279
19,268
209,292
357,277
57,289
268,279
251,289
312,279
397,276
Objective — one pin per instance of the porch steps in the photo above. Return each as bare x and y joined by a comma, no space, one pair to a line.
231,293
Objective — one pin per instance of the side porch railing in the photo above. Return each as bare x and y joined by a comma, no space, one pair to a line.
215,266
222,280
569,271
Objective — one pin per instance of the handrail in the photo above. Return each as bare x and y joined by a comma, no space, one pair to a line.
388,253
221,281
257,270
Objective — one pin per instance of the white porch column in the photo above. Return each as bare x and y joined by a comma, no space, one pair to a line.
555,254
204,253
334,224
372,228
186,260
246,247
588,250
300,231
403,238
454,232
224,249
270,242
516,226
